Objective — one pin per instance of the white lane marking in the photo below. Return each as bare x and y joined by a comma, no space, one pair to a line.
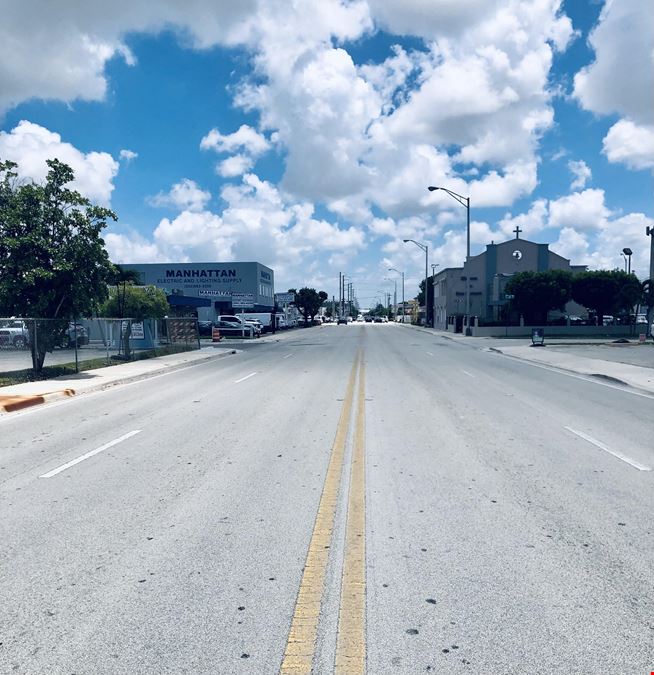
67,465
626,388
247,377
601,446
288,356
467,373
430,354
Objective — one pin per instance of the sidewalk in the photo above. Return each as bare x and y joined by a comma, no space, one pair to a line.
18,396
639,377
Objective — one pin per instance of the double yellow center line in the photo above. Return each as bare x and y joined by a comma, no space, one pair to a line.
350,641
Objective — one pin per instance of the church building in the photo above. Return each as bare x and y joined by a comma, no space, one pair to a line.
487,275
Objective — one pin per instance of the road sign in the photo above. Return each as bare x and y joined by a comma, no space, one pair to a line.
243,300
283,298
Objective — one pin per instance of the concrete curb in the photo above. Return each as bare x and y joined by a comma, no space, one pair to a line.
13,403
610,379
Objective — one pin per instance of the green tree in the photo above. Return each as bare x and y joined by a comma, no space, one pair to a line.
309,301
120,277
135,302
536,293
605,292
53,263
430,297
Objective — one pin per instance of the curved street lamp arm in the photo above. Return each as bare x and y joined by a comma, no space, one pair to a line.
417,243
464,201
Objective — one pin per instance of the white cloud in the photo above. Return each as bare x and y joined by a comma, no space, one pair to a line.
60,50
30,145
532,222
621,80
245,138
581,172
258,223
581,210
128,155
630,144
184,196
233,166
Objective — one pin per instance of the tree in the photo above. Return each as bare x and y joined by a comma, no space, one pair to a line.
536,293
138,302
430,297
135,302
53,263
120,277
309,301
607,292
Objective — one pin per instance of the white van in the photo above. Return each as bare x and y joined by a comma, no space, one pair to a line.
265,319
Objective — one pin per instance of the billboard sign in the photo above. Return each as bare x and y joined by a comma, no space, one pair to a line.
284,298
243,300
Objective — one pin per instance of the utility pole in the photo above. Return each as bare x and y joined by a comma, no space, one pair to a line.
649,231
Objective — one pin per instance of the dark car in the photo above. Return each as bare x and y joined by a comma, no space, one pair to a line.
204,327
228,329
341,319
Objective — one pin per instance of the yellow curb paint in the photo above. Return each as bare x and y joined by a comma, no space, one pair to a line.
351,637
301,643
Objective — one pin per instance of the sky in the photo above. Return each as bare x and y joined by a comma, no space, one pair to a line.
304,134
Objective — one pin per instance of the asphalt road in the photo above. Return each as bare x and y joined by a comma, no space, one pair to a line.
370,496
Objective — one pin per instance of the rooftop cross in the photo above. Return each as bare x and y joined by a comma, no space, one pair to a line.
517,231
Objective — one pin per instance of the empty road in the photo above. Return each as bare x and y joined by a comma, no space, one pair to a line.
350,499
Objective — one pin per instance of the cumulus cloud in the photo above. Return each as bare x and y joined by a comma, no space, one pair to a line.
245,138
630,144
621,80
581,210
30,145
257,223
128,155
233,166
184,196
60,50
581,172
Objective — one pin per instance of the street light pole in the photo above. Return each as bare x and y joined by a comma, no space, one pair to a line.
649,231
392,269
425,248
464,201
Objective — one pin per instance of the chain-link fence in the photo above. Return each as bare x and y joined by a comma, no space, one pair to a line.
58,346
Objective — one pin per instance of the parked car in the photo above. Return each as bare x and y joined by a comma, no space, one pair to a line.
14,334
229,329
237,321
341,319
204,327
75,332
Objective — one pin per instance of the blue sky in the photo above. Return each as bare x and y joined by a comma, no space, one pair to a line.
304,135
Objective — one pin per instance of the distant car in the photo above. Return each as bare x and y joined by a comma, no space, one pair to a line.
378,319
204,327
75,333
341,319
14,334
369,319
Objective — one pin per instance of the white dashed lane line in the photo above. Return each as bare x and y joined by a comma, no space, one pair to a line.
247,377
615,453
81,458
